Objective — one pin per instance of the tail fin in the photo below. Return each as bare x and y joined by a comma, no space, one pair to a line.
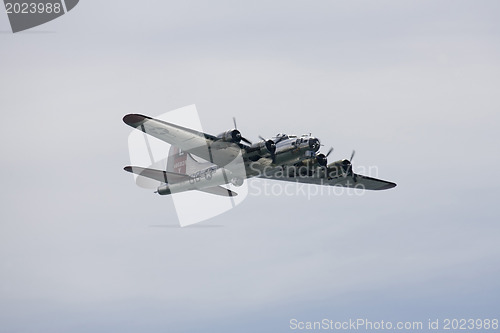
183,163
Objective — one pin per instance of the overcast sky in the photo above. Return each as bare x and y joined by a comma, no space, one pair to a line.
412,86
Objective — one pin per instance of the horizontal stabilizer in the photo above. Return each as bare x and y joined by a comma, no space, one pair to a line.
159,175
218,190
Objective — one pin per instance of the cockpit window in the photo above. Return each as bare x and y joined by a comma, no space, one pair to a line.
282,136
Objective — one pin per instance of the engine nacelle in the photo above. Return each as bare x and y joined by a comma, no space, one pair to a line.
339,168
262,148
322,159
308,163
164,189
230,136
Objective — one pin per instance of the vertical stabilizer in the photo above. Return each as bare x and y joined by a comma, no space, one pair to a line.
181,162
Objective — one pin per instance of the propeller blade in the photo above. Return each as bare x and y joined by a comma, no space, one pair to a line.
242,138
329,152
349,163
260,137
279,139
246,140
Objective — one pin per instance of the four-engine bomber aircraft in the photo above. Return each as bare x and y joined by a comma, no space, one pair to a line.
229,158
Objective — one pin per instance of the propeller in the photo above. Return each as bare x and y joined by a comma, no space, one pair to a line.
348,164
271,147
281,138
329,151
241,138
322,158
246,140
352,155
354,176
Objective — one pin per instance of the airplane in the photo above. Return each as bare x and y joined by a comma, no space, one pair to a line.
204,162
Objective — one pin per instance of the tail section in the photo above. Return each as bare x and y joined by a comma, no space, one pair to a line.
185,173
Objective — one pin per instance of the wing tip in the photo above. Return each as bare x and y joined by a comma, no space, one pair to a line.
388,186
385,186
134,119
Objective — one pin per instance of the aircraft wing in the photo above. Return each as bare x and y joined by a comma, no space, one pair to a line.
203,145
353,181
